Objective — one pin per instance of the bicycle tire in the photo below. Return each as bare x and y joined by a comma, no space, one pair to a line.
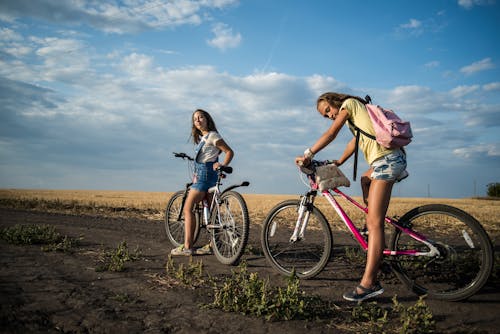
466,258
230,235
174,228
306,257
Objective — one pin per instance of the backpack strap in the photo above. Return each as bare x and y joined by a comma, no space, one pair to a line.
358,134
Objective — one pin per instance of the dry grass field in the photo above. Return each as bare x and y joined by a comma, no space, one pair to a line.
152,204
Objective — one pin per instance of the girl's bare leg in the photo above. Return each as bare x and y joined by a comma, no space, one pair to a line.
194,196
365,184
379,198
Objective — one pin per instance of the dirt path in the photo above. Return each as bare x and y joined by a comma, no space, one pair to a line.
55,292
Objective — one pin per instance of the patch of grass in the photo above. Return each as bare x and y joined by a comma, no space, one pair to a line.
246,293
123,298
114,260
44,235
414,319
354,254
190,275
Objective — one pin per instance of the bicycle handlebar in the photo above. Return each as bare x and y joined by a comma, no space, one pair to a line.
224,169
183,156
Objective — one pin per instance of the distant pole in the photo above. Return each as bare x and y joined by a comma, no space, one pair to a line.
428,190
475,193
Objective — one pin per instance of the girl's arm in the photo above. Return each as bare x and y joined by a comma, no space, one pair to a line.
331,133
228,153
326,138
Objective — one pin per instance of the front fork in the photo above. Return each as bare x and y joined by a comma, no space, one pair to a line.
305,208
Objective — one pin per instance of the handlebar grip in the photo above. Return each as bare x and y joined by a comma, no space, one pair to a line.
182,155
226,169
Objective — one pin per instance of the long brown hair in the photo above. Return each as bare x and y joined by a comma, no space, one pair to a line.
195,133
336,99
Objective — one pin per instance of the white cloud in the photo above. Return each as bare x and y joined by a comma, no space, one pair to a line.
113,17
432,64
471,152
481,65
7,34
468,4
137,64
224,37
412,24
494,86
461,91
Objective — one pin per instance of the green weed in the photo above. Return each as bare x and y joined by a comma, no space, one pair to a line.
44,235
190,275
415,319
246,293
115,260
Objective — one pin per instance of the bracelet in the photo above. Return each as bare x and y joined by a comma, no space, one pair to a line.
308,154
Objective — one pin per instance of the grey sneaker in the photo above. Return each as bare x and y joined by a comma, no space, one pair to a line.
354,296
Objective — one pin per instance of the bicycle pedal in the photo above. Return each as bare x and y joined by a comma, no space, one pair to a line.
213,227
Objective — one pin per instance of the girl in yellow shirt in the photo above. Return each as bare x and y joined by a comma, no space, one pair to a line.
386,167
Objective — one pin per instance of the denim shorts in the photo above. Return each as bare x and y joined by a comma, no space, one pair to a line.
389,167
204,176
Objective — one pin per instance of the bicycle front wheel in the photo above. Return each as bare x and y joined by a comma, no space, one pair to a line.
465,257
174,220
308,255
230,232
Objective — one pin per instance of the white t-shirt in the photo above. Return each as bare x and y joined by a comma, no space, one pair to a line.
208,152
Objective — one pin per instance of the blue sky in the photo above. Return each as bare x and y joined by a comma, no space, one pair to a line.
98,94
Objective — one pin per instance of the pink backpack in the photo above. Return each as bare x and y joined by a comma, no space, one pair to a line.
390,130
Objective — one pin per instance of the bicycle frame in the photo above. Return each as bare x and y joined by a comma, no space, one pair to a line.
216,194
304,211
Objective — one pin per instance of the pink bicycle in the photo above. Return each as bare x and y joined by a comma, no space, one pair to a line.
435,249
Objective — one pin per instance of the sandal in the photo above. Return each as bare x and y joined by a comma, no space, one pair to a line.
354,296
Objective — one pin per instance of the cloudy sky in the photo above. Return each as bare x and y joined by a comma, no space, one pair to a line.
98,94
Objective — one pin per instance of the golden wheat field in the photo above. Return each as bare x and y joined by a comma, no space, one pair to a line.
487,211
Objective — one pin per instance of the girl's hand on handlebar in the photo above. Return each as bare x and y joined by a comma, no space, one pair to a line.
302,161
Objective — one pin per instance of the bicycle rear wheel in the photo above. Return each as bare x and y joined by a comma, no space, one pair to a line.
466,254
174,227
230,233
307,256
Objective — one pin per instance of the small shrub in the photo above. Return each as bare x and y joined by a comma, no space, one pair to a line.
30,235
246,293
416,319
115,260
371,312
44,235
190,275
493,189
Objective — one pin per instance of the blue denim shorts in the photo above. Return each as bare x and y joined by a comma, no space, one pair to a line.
390,167
204,176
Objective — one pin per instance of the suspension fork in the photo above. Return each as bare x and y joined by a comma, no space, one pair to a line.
305,208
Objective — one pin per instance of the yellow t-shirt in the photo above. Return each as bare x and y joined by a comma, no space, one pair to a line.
359,116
